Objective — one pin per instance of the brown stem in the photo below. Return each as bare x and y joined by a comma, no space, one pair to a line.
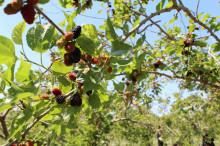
31,126
186,10
42,13
145,20
189,79
4,127
35,122
139,32
2,136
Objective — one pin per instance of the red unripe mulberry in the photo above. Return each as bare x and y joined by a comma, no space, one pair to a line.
109,69
56,91
69,35
94,60
72,76
45,96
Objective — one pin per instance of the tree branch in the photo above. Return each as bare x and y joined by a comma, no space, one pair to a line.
31,126
161,29
4,126
197,8
42,13
189,79
2,136
186,10
145,20
139,32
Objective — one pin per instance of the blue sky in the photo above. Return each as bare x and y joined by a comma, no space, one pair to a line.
8,22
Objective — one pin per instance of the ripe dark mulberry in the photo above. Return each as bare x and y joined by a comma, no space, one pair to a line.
9,10
33,2
60,99
67,62
76,100
156,65
76,31
185,52
28,13
74,57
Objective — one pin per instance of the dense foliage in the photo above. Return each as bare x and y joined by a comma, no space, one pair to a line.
103,82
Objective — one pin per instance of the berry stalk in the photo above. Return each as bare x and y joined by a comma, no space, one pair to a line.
39,11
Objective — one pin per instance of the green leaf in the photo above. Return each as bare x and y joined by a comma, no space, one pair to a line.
4,105
136,22
1,2
100,11
23,73
64,84
92,79
39,37
160,5
120,48
140,59
87,44
43,1
94,100
170,4
17,93
66,3
70,21
7,49
119,87
199,16
60,68
216,47
205,17
192,27
201,43
8,75
109,31
171,21
17,33
140,41
91,31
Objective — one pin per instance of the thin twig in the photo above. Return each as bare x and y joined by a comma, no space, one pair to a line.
189,79
139,32
145,20
161,29
2,136
39,11
186,10
197,8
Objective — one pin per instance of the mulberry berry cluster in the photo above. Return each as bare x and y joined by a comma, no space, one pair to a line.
28,12
101,60
75,100
73,53
58,94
